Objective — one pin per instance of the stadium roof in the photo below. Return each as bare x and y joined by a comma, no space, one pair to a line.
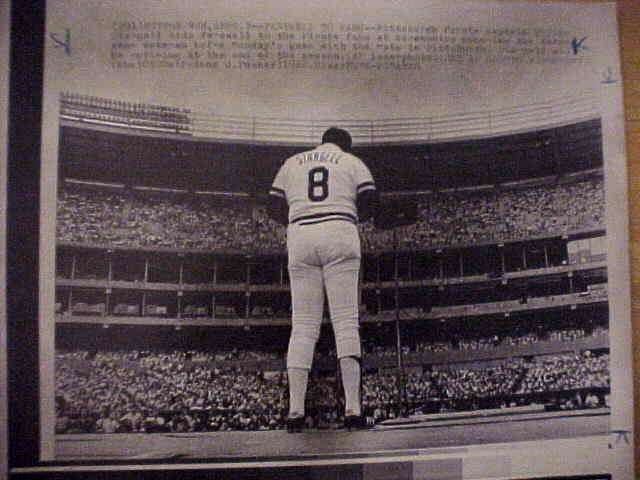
208,165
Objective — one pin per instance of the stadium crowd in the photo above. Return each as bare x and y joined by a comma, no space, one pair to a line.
142,219
150,391
560,381
500,215
565,372
476,343
144,115
163,392
137,219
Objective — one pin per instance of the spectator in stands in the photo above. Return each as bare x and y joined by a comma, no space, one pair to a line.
132,420
107,423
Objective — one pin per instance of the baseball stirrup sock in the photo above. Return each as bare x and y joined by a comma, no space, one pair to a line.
350,369
298,378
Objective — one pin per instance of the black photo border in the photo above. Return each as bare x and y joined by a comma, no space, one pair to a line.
23,210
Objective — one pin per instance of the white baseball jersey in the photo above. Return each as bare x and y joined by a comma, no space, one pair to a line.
322,184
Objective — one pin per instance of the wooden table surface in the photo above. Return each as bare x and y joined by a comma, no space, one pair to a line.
629,20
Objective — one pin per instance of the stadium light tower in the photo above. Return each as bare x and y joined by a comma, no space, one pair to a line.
392,215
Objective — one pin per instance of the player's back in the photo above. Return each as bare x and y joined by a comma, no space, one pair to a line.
322,184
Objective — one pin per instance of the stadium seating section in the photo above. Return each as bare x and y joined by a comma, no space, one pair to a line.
187,390
141,219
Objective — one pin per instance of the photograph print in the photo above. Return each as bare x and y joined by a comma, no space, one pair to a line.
313,235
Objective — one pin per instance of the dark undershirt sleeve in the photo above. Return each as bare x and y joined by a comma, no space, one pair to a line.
368,203
278,210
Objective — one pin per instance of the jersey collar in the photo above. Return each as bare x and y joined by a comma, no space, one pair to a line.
330,147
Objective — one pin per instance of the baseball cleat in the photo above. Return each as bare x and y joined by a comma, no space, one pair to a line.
295,423
355,422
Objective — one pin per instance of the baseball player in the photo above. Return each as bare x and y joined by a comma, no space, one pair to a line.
321,194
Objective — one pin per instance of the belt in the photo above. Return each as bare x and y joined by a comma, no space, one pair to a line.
324,217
